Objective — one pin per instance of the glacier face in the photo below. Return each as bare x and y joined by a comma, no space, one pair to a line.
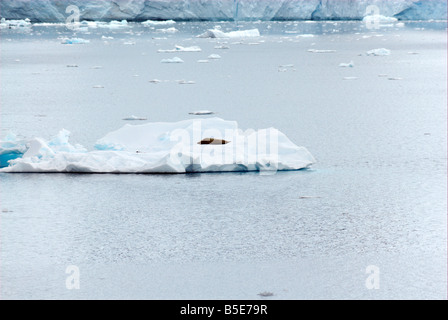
140,10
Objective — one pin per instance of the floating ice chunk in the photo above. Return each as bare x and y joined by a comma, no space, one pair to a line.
15,24
305,36
215,33
72,66
379,52
181,49
222,47
394,78
97,67
74,41
155,81
129,43
203,61
201,112
286,66
179,147
149,23
107,38
214,56
321,51
98,86
350,78
134,118
400,24
351,64
186,82
378,18
114,24
167,30
173,60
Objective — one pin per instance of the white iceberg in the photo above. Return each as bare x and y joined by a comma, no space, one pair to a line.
216,33
173,60
379,52
180,49
178,147
114,24
378,18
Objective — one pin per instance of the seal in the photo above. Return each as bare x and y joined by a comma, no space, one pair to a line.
213,141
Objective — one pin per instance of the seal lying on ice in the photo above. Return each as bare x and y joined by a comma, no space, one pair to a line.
213,141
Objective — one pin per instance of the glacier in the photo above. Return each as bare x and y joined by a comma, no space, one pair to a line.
160,147
153,10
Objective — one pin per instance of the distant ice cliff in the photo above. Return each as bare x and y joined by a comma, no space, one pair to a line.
140,10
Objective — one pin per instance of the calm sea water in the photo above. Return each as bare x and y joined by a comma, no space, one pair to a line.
376,197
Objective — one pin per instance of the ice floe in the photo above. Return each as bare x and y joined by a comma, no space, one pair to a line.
201,112
351,64
214,56
167,30
216,33
181,49
379,52
172,60
132,118
74,41
177,147
321,51
150,23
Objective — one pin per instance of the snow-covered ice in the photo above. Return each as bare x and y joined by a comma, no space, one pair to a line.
160,148
172,60
181,49
379,52
216,33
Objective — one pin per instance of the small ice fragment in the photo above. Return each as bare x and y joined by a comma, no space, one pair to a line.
308,197
215,33
72,66
98,86
378,18
305,36
394,78
136,75
74,41
379,52
97,67
203,61
214,56
134,118
185,82
351,64
382,75
173,60
167,30
286,66
181,49
131,43
222,47
107,38
201,112
149,23
413,52
17,60
350,78
155,81
321,51
399,24
266,294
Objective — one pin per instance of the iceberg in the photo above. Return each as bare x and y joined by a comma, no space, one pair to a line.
174,147
216,33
